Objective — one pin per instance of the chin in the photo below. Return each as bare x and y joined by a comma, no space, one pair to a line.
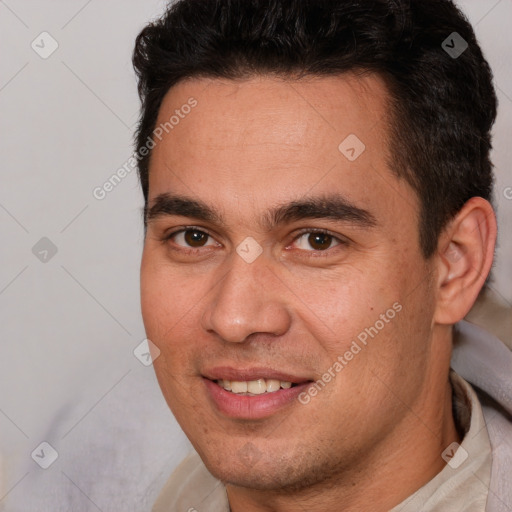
268,472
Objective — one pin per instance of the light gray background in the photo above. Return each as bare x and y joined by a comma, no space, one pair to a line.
69,326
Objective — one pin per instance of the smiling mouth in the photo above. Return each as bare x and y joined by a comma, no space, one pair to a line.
254,387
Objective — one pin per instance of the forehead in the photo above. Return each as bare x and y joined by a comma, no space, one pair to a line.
267,139
277,113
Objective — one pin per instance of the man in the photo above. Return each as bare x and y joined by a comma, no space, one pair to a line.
317,184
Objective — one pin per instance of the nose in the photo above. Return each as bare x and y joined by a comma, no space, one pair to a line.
249,299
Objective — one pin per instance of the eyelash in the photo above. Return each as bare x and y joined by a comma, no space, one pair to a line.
313,253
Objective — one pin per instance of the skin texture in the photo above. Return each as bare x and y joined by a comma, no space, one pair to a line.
375,433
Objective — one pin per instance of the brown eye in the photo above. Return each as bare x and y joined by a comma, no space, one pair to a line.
195,238
316,241
191,238
319,241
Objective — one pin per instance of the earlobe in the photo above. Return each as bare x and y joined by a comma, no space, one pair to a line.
464,259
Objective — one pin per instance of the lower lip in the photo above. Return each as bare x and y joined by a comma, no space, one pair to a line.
253,407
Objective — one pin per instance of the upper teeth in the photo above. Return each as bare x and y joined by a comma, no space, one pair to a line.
254,387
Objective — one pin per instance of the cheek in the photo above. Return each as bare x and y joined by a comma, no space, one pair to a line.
338,307
168,298
367,320
167,309
154,301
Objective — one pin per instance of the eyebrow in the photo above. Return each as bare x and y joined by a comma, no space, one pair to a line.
333,207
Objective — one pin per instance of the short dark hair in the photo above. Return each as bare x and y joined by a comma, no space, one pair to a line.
442,106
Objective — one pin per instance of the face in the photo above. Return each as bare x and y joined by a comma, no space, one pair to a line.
282,262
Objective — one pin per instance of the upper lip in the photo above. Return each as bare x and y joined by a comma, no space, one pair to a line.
253,373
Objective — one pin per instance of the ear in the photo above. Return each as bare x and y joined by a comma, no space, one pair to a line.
464,259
